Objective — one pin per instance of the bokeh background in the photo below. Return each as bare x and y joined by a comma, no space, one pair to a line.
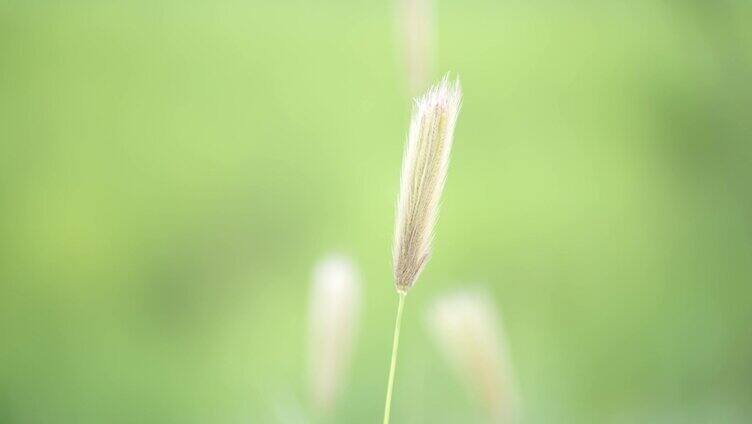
171,171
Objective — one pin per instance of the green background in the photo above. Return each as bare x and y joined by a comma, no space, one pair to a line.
171,171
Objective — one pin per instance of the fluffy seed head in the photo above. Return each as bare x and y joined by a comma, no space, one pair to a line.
334,308
465,326
424,170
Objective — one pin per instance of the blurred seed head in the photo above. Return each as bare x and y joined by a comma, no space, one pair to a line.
424,170
465,326
334,310
416,35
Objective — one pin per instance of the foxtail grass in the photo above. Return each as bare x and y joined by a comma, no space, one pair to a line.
333,317
424,171
415,24
467,330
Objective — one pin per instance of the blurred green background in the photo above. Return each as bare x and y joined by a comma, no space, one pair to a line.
171,171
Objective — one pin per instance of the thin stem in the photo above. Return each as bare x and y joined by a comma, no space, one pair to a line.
393,366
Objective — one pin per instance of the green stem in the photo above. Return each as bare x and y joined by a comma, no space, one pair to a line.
393,366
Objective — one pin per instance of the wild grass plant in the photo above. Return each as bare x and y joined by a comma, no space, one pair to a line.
466,328
424,171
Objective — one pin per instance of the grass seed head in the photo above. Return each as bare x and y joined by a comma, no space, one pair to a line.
334,310
466,328
424,171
